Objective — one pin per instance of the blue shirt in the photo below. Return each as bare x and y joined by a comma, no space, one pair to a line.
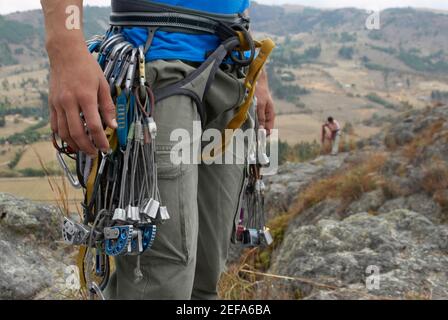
183,46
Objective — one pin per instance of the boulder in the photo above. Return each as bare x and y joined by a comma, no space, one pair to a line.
31,260
370,201
419,202
409,250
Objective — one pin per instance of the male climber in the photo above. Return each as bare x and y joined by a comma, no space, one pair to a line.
190,249
334,134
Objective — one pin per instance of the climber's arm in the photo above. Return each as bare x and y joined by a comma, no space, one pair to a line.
77,83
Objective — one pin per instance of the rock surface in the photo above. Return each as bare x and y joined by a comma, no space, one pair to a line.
283,188
30,259
410,251
400,227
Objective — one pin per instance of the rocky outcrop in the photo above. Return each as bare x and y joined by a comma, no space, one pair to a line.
284,188
400,227
409,250
30,259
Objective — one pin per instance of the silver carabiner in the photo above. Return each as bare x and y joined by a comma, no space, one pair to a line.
131,70
73,181
112,59
122,64
97,290
110,41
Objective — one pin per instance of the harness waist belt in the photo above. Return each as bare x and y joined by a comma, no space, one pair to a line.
149,14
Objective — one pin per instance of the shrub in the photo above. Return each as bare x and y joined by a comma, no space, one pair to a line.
373,97
391,190
435,177
303,151
346,53
13,163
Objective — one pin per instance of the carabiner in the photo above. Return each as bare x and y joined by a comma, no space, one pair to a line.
131,71
73,181
95,289
142,72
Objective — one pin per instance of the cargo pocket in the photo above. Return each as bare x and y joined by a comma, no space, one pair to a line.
176,238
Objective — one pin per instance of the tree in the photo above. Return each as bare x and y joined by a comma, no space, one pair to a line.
346,53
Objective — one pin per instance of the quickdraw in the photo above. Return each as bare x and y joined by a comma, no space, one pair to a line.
123,205
252,230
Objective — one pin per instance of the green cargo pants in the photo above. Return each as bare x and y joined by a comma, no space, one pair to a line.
190,249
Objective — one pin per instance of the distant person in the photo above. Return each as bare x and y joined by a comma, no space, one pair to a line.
331,130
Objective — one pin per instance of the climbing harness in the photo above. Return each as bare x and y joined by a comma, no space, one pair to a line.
122,205
252,230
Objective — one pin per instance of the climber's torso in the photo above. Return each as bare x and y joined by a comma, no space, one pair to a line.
182,46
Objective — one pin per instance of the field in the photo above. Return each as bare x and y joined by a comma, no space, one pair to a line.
39,190
15,124
44,150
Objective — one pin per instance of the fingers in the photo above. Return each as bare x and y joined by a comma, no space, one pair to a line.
261,113
94,124
270,116
78,132
63,130
53,119
106,104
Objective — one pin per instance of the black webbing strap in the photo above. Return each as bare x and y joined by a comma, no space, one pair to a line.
197,83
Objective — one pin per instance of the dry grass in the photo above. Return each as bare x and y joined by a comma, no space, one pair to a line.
391,189
46,153
61,191
441,197
418,295
347,185
347,144
424,138
435,177
234,285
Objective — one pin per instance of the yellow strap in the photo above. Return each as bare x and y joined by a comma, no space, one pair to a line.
255,69
80,263
113,143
